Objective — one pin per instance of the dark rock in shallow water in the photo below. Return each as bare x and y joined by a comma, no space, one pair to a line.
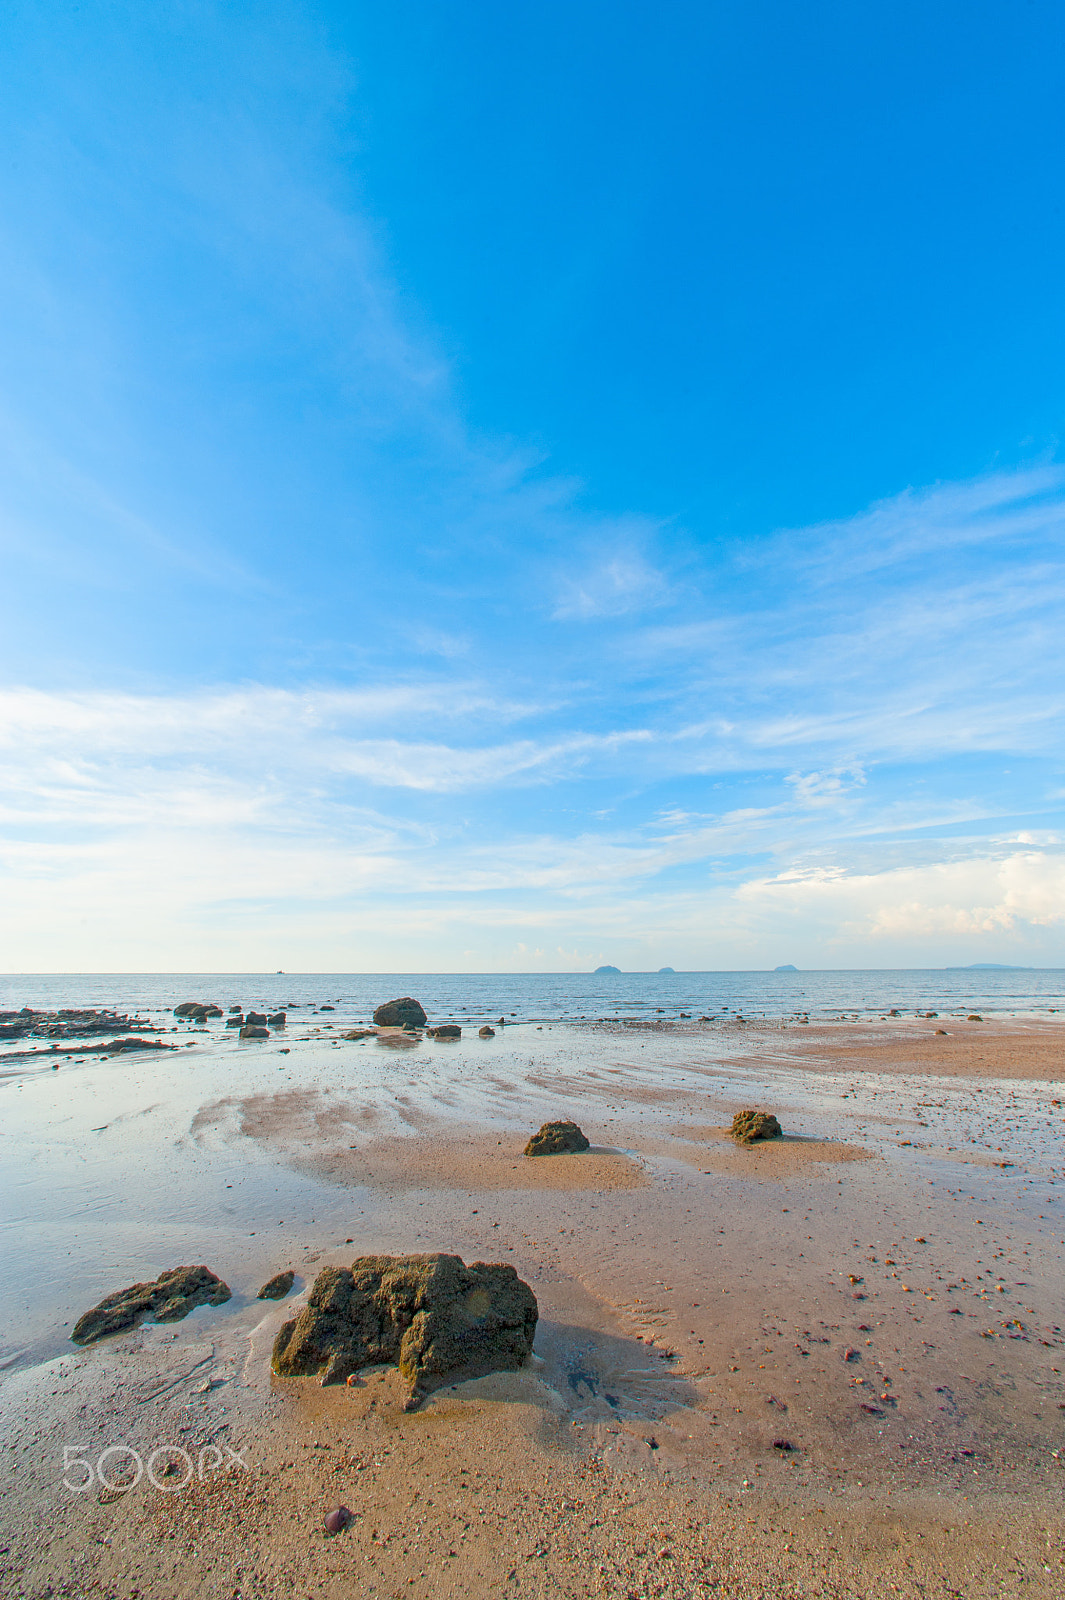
434,1317
233,1010
256,1019
277,1287
234,1022
360,1033
253,1031
172,1296
557,1139
197,1010
750,1126
277,1019
486,1032
445,1030
400,1013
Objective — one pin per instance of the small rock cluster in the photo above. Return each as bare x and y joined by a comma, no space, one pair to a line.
66,1024
196,1011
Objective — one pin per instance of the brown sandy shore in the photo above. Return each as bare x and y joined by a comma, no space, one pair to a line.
881,1291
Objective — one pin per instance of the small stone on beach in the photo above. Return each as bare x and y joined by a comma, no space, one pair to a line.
557,1138
750,1126
277,1287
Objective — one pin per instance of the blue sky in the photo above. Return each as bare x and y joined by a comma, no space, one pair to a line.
523,487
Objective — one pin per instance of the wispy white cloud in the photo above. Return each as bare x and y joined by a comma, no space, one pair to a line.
612,585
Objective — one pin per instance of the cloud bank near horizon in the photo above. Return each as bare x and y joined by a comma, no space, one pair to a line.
709,792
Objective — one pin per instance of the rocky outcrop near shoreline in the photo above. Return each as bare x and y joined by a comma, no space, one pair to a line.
66,1024
172,1296
433,1316
403,1013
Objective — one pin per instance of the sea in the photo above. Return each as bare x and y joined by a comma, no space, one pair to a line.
564,997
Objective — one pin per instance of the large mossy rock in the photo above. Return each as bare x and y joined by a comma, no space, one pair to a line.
431,1315
172,1296
557,1139
750,1126
402,1013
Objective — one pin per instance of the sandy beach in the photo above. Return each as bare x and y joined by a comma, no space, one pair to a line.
826,1365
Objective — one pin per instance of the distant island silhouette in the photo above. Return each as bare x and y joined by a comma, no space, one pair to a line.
667,969
786,968
608,969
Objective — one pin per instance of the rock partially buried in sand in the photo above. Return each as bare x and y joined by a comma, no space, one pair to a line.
172,1296
557,1139
434,1317
360,1033
750,1126
400,1013
486,1032
336,1521
277,1287
445,1030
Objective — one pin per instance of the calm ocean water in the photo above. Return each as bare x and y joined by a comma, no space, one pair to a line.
537,997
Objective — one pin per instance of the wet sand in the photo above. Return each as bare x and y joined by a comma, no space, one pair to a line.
881,1292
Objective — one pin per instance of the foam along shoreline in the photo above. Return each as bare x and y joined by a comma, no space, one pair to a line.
889,1312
